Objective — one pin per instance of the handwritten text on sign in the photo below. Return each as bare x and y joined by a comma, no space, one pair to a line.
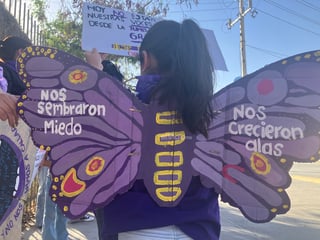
264,133
53,104
112,30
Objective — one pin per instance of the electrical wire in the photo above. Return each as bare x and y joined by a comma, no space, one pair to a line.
272,53
295,13
294,25
309,5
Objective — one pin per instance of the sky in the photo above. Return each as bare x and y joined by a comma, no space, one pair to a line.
277,29
274,29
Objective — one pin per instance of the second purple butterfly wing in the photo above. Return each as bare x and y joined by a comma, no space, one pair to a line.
264,123
89,124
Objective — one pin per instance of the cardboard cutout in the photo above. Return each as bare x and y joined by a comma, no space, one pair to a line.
101,138
17,155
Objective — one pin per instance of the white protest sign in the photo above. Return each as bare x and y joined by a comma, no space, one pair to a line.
214,50
119,32
113,31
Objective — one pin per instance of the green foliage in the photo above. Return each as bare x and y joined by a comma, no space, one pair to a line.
38,7
64,34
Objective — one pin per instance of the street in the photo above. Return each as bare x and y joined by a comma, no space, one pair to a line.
302,222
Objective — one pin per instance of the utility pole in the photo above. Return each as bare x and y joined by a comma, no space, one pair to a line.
240,18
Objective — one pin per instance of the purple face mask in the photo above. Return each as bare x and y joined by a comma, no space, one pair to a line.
145,85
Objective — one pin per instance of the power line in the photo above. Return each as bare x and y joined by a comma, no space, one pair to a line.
296,26
213,20
210,2
309,5
271,2
204,10
272,53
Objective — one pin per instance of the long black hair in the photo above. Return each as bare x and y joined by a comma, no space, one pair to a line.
186,70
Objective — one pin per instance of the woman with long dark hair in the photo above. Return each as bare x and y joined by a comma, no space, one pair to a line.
176,70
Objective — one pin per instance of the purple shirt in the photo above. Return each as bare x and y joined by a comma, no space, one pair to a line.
197,215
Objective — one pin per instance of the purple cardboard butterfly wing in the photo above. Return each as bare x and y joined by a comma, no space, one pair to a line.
87,122
265,122
101,138
16,169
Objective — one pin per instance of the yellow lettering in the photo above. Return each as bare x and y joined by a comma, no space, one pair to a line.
168,118
168,194
167,177
170,138
169,159
170,179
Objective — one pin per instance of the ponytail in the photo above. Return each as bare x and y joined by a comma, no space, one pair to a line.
195,71
186,70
